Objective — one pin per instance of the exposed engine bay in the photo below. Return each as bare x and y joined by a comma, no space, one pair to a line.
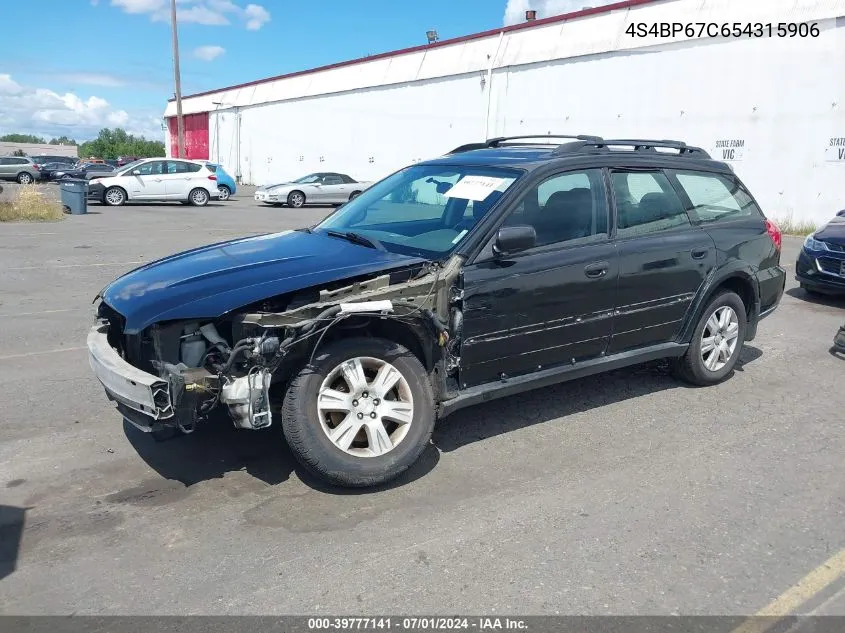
235,361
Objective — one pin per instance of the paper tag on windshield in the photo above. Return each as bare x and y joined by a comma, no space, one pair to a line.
474,187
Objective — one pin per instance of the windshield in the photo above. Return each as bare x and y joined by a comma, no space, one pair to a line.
423,210
125,169
306,179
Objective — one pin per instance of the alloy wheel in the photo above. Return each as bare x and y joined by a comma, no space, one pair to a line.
719,338
365,407
199,197
224,192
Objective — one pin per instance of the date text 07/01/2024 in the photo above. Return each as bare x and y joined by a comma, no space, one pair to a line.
726,29
416,624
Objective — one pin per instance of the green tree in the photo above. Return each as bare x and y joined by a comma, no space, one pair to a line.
117,142
22,138
62,140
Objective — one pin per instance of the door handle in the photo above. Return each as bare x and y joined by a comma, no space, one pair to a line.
700,253
597,270
158,179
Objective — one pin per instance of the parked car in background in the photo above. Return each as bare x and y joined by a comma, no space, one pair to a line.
319,188
125,160
186,181
84,170
225,183
112,163
499,268
21,169
62,160
48,170
820,268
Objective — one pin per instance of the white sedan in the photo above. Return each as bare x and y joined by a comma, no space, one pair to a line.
182,180
319,188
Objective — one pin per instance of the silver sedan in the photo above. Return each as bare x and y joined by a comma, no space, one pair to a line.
319,188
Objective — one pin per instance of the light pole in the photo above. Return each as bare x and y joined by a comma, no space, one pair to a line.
180,124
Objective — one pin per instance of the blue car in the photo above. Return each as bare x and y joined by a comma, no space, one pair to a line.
821,264
225,183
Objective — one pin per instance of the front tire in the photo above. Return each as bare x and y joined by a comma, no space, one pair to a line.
716,342
354,195
361,414
296,199
25,178
198,197
114,197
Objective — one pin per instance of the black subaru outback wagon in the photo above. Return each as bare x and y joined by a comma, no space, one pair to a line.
500,267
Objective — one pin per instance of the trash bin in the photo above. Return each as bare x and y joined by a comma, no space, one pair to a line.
74,196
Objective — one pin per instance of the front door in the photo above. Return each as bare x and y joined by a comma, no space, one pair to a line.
664,259
148,182
552,303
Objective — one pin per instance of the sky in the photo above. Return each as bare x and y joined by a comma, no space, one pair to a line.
81,65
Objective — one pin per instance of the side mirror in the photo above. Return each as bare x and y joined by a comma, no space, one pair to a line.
512,239
841,214
136,172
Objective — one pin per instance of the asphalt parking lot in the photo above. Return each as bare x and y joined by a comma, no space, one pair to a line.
625,493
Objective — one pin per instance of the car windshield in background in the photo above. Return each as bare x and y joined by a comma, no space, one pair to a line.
307,179
129,167
423,210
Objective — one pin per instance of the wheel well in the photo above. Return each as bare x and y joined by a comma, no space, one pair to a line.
226,187
741,287
299,192
125,193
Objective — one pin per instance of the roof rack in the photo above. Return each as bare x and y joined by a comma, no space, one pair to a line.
585,142
497,141
639,145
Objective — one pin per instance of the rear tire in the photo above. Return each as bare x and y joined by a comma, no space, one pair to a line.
114,196
198,197
224,192
716,342
296,199
395,423
25,179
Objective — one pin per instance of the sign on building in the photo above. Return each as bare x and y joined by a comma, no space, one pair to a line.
835,150
729,149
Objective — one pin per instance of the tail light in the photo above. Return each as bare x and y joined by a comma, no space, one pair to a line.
774,232
212,177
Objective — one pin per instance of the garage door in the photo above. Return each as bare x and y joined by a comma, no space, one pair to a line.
196,135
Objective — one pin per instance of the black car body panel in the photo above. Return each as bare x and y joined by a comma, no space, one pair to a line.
213,280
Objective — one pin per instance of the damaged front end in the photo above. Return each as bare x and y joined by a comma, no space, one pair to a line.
173,375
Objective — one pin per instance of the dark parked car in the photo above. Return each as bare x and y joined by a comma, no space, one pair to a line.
84,170
820,268
500,267
49,169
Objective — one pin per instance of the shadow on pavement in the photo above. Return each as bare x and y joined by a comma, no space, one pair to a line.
11,529
217,448
833,301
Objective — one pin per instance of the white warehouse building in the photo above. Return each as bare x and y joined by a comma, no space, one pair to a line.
772,106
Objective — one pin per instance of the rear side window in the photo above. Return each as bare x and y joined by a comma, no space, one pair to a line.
646,203
716,197
211,168
178,167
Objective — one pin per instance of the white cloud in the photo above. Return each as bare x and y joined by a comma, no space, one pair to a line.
256,16
41,111
208,53
515,9
94,79
207,12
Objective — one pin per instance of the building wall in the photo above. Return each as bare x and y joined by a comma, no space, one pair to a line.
778,103
37,149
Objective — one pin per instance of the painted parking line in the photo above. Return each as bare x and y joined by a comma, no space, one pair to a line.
51,267
789,601
42,353
38,313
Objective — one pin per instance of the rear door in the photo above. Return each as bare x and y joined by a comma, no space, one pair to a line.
664,259
552,303
180,177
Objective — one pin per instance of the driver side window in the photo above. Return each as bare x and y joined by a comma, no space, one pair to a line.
567,208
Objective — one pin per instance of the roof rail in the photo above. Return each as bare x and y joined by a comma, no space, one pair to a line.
497,141
639,145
